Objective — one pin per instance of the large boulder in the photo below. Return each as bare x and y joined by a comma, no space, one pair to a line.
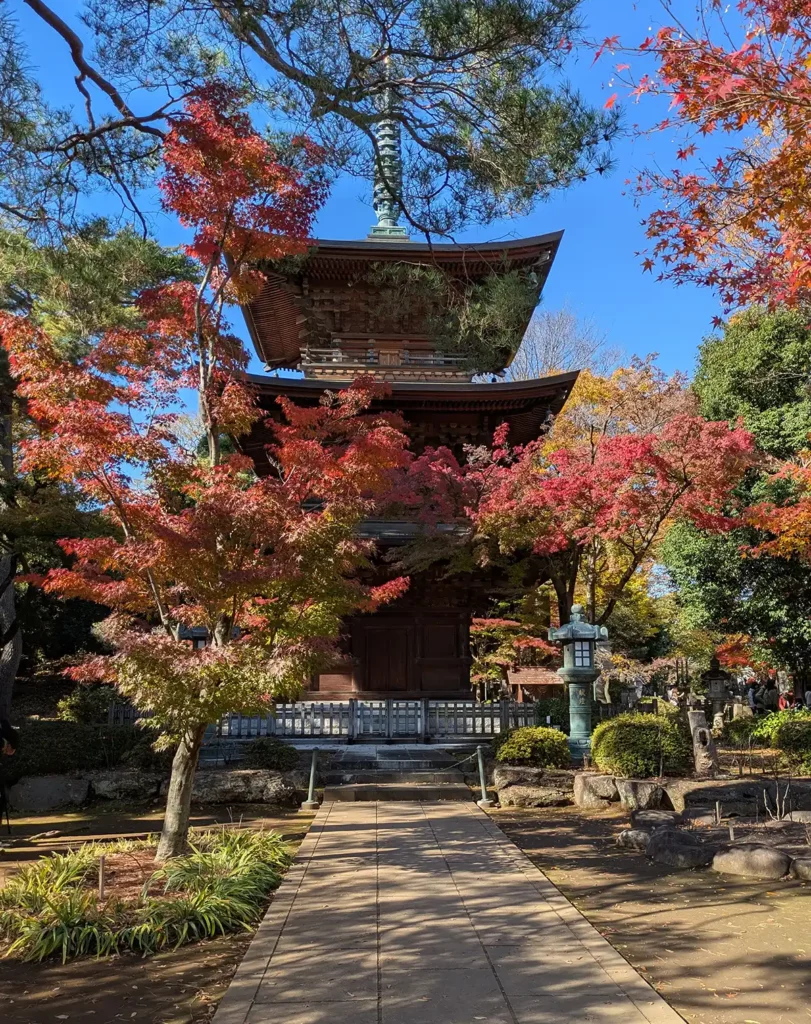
652,819
124,785
634,839
751,860
41,793
680,850
801,868
592,790
246,786
532,787
637,795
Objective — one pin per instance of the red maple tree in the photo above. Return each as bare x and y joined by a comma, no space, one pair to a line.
607,498
736,212
267,566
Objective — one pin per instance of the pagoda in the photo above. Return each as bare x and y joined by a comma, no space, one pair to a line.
330,316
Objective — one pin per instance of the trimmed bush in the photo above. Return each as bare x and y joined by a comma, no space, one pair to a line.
52,907
635,745
534,747
267,752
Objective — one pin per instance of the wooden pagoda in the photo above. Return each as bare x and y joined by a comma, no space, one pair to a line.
328,316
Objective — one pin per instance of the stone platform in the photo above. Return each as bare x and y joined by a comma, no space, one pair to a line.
427,914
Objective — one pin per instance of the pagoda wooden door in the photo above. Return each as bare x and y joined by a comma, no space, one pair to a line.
388,657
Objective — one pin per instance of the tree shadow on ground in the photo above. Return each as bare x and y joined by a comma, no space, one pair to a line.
721,950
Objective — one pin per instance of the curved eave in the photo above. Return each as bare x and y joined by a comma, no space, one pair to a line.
275,319
470,411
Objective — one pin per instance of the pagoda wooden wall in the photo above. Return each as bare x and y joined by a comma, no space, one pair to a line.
403,652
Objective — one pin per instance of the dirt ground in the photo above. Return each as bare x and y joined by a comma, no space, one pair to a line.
182,986
721,951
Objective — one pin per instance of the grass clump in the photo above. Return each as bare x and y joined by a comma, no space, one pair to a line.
533,747
222,885
643,745
266,752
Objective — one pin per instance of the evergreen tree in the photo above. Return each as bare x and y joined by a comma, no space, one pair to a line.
756,370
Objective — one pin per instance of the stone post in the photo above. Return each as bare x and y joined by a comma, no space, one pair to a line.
705,754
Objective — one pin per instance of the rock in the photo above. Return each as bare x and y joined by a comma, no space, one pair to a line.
532,787
636,795
654,819
801,868
679,850
246,786
124,785
592,790
803,817
751,860
778,824
37,793
634,839
700,818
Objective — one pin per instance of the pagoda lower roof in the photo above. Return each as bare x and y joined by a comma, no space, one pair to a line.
280,319
452,414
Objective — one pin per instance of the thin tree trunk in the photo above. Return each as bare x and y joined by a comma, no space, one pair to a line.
175,832
11,647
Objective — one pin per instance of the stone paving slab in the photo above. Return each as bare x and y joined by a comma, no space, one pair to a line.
422,913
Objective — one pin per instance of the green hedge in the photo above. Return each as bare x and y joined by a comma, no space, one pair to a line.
636,744
534,747
58,748
267,752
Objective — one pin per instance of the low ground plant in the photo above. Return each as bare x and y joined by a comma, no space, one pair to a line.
643,745
52,907
533,747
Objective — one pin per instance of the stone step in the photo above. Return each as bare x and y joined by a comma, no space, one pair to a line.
365,775
389,765
397,791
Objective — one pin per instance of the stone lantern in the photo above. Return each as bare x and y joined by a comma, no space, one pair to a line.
579,639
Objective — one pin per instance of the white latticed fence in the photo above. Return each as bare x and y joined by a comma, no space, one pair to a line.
380,719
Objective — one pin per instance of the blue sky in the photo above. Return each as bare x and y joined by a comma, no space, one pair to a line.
596,273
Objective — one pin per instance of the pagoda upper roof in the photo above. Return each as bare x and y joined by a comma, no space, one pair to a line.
284,318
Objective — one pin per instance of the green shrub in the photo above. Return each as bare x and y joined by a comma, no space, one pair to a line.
267,752
87,705
636,745
742,732
556,708
57,748
534,746
51,907
768,727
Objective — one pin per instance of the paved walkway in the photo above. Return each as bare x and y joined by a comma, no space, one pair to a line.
398,913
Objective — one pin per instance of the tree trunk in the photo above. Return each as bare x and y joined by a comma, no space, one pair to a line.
11,647
175,832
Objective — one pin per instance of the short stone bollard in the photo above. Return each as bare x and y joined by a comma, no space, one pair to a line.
485,800
311,804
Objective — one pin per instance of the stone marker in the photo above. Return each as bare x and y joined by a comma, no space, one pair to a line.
705,753
634,839
751,860
679,850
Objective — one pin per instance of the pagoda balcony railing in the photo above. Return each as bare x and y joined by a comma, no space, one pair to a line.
372,357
